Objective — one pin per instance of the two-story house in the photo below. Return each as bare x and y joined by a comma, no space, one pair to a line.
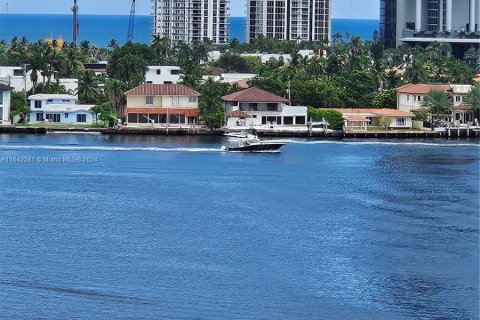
254,107
5,104
411,96
59,108
161,104
163,74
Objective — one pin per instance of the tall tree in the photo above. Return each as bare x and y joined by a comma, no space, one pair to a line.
438,103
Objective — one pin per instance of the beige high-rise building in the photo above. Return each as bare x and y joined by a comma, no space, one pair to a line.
308,20
191,20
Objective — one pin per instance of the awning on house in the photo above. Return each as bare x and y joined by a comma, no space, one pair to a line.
186,112
238,114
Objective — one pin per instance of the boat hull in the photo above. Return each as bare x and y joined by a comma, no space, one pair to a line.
263,147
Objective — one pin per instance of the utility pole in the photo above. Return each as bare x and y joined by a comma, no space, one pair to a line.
76,26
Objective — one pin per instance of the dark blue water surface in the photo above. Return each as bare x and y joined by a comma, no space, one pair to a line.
99,30
173,228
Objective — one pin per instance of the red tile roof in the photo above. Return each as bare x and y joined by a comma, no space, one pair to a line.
357,118
254,95
149,89
380,112
422,88
462,106
187,112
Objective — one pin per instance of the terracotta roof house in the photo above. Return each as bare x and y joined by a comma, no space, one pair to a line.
161,105
254,107
410,98
361,118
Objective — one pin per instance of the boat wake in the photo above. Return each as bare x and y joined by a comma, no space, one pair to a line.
104,148
394,143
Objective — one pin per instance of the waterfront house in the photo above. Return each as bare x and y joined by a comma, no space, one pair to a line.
254,107
59,108
162,104
18,78
5,103
411,96
361,119
163,74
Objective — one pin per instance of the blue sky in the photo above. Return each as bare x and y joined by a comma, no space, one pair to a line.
359,9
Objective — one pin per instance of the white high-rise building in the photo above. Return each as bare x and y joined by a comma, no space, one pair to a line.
454,22
308,20
191,20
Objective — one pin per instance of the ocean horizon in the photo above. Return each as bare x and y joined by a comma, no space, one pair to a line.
100,29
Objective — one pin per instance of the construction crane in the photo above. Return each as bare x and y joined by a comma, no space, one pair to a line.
131,23
76,26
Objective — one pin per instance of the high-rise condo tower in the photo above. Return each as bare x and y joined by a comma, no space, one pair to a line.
455,23
191,20
308,20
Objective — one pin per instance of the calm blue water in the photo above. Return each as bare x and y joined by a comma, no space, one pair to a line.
172,228
99,30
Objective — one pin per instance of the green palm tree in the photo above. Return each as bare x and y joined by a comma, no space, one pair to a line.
88,87
438,103
473,100
415,72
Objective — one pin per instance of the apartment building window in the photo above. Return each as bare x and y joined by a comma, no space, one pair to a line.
175,101
149,100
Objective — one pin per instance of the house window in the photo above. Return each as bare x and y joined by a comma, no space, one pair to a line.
149,100
192,99
175,101
419,98
300,120
1,97
401,122
159,71
49,100
287,120
408,97
272,107
1,114
53,117
458,99
39,116
66,115
38,104
81,118
132,118
253,107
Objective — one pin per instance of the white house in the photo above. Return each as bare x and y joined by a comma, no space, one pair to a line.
15,77
5,104
163,74
161,105
254,107
361,119
411,96
59,108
